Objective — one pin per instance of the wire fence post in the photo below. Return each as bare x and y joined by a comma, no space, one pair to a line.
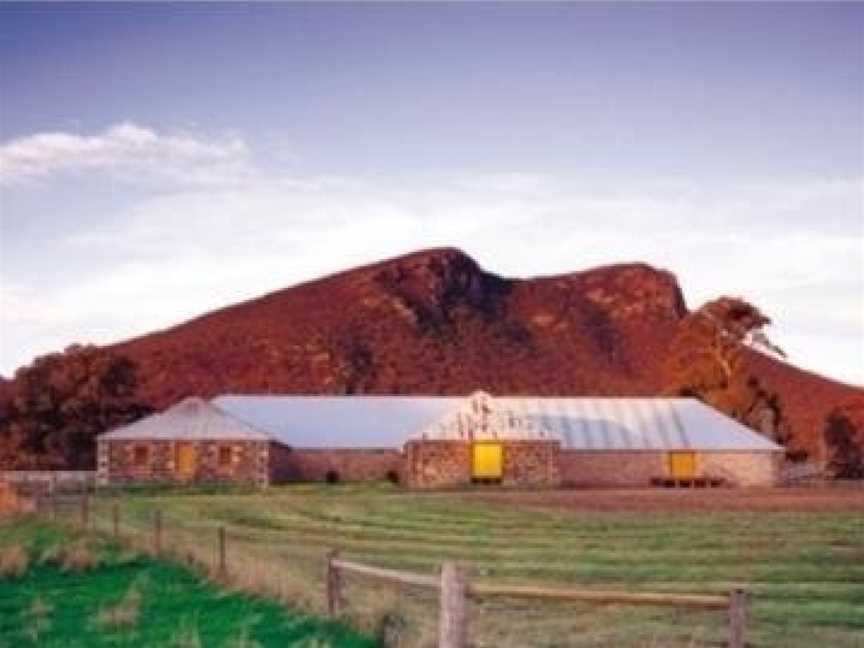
453,619
223,563
157,532
333,584
737,617
115,520
85,510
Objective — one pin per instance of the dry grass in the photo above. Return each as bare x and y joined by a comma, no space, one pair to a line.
123,614
77,557
13,561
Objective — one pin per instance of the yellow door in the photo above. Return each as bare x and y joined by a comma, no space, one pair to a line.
488,462
185,459
682,465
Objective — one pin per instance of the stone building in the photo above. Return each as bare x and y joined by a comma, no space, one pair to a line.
428,442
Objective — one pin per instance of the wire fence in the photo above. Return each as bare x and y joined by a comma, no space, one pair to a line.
399,613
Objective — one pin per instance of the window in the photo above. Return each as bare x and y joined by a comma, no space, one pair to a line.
225,455
140,455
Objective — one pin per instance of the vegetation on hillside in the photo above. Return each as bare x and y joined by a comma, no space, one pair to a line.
709,359
56,406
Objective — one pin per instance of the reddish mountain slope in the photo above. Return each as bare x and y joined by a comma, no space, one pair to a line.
433,322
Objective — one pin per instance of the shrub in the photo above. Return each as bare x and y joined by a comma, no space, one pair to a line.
332,477
13,561
392,476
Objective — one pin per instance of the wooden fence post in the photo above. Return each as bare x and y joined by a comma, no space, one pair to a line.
115,520
85,510
453,618
737,617
53,504
223,563
157,532
333,584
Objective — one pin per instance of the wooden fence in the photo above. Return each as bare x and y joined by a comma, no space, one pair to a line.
452,582
455,588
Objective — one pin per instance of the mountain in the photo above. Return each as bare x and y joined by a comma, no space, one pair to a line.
434,322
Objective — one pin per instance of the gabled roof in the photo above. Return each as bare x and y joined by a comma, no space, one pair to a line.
192,419
321,422
601,424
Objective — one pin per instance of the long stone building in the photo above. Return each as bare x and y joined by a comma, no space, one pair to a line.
427,442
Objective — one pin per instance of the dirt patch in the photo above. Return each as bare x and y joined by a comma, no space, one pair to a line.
8,499
781,500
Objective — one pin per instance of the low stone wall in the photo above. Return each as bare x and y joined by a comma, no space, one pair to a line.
638,468
249,462
348,465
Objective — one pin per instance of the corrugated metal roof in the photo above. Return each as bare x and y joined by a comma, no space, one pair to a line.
579,423
605,424
191,419
339,421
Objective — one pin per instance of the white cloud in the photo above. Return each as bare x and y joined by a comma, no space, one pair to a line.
125,150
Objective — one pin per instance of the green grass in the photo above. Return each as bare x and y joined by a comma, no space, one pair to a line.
804,571
165,604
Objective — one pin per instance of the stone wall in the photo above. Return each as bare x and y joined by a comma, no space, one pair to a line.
342,465
249,462
638,468
611,468
743,468
531,463
437,463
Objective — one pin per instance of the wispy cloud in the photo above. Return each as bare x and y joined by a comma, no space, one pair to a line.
125,150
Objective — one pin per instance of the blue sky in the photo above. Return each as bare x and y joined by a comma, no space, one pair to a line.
159,160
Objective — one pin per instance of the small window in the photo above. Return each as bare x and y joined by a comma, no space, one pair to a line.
225,455
140,455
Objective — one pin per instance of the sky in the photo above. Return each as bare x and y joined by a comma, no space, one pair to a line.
161,160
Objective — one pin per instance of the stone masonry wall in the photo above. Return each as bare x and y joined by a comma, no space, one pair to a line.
531,463
743,468
248,462
345,465
622,468
618,468
437,463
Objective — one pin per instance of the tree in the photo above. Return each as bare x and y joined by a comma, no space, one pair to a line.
56,406
709,360
845,454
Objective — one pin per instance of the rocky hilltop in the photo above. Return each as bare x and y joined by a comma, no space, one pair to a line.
434,322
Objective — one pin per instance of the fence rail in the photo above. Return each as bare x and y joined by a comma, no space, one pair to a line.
455,588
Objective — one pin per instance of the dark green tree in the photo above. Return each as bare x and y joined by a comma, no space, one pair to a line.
55,408
845,456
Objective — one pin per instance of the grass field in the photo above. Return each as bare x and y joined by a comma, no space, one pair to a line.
77,592
803,565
